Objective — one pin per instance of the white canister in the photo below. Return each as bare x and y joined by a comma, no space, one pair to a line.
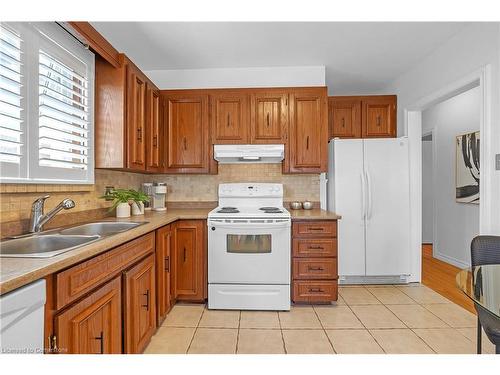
137,208
123,210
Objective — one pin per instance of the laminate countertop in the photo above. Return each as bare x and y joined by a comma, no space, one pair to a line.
17,272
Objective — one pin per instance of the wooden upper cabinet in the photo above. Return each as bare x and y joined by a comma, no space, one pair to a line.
186,128
127,118
379,116
344,117
269,117
136,119
189,260
140,305
154,155
308,131
229,118
163,272
93,325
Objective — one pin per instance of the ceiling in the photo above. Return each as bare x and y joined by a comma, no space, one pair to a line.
360,57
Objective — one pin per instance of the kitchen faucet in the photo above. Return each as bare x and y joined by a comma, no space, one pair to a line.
38,219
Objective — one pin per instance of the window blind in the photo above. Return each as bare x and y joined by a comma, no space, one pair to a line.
46,105
63,114
11,100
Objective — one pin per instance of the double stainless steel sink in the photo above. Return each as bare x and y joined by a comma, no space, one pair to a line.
57,241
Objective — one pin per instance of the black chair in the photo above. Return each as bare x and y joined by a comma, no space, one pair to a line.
485,250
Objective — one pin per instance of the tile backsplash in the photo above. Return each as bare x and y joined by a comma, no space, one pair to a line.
204,187
16,199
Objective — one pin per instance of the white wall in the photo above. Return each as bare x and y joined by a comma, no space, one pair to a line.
427,192
472,49
288,76
456,223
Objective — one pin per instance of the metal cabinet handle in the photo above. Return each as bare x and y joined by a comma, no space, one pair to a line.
139,134
184,254
343,122
316,228
378,120
185,143
228,119
155,141
167,264
310,268
147,300
101,339
316,290
268,120
307,143
315,248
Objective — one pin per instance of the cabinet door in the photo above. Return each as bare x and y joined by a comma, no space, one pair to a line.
189,260
154,131
186,122
140,311
229,116
269,117
308,132
379,116
344,117
163,272
136,119
92,325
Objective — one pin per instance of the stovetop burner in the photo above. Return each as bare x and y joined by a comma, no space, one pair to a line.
228,210
271,210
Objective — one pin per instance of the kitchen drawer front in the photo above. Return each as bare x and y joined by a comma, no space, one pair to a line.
314,268
317,247
82,278
314,291
315,229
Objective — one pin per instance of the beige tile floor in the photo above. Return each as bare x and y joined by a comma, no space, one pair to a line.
366,319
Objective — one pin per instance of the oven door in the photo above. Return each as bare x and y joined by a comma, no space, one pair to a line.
249,251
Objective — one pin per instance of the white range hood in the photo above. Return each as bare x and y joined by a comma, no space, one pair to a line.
240,154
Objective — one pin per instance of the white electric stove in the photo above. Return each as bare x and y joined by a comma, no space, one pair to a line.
249,248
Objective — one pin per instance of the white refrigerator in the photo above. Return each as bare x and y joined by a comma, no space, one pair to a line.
368,185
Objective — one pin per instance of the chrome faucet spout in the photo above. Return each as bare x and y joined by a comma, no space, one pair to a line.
39,219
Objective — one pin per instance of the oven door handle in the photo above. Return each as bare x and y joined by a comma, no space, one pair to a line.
249,225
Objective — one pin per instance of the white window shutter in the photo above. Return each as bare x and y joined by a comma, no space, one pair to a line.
50,133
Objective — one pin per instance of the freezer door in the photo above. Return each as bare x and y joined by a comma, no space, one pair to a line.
388,207
346,164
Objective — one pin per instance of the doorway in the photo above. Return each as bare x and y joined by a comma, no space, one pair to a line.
413,116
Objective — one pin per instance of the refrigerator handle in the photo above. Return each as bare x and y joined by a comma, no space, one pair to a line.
363,195
369,195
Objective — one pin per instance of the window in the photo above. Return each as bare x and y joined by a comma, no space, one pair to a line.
46,105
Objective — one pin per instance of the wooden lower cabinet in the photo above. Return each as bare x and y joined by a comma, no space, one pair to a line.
163,272
93,325
190,260
139,305
314,261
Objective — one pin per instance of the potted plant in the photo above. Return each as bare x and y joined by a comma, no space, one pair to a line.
121,199
138,199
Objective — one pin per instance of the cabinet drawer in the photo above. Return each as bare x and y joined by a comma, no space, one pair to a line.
309,247
80,279
315,229
314,268
314,291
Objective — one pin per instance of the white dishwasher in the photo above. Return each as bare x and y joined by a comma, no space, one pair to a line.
22,319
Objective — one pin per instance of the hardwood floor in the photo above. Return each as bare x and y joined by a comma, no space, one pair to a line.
440,276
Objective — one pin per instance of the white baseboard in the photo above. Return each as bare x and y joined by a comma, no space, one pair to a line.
450,260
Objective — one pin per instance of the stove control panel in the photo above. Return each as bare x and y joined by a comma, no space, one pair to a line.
251,190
